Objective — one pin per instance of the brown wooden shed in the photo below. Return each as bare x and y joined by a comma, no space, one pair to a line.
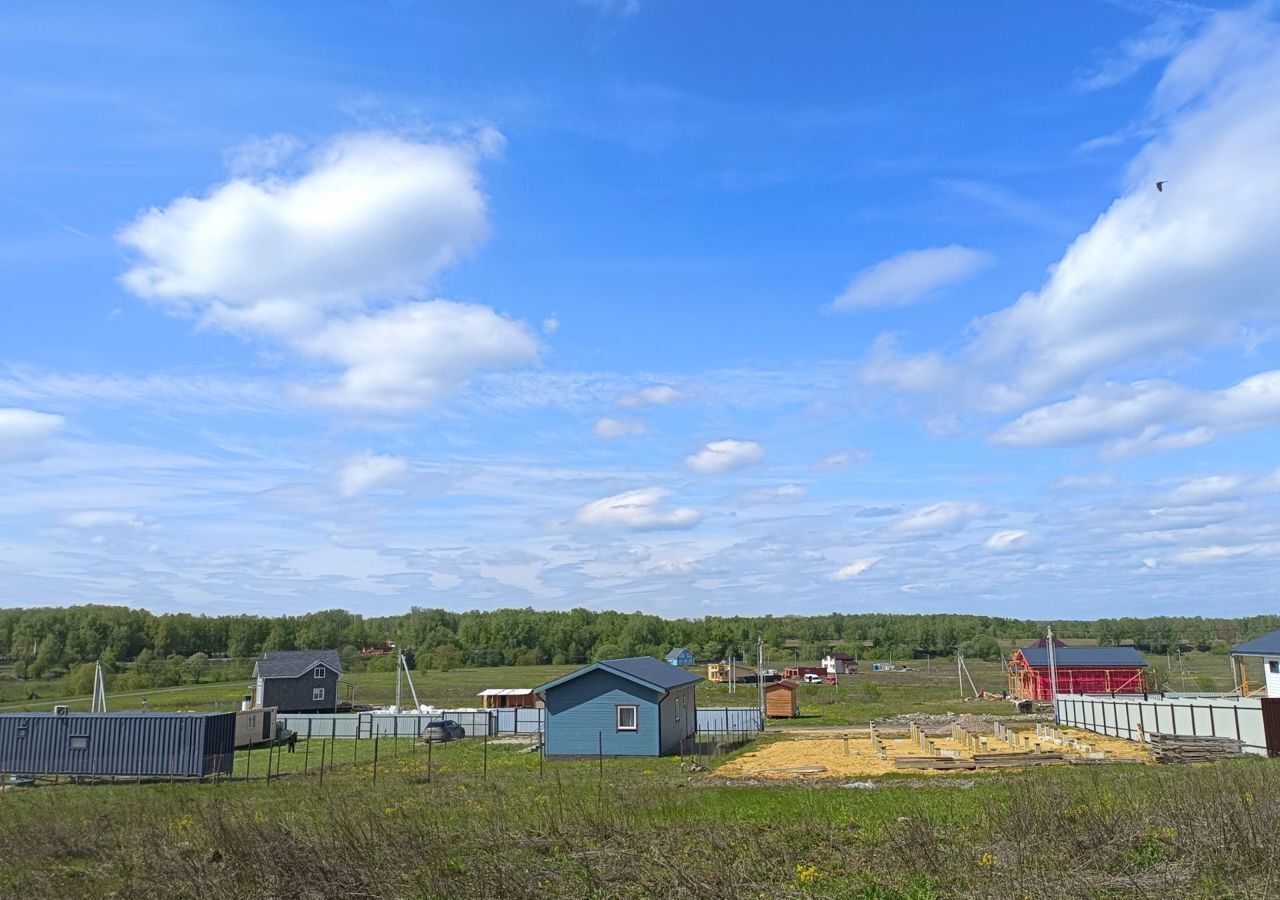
780,700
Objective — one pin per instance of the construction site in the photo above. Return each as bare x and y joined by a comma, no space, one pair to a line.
964,745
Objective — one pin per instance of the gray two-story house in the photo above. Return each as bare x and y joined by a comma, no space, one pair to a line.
298,681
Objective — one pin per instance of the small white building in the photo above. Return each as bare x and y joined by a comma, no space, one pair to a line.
1267,648
838,663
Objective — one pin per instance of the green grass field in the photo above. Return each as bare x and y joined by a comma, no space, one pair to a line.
643,828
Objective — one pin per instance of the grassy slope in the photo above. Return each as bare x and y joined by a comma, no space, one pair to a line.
646,829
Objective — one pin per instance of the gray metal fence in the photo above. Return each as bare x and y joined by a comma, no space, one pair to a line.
729,719
1134,717
350,726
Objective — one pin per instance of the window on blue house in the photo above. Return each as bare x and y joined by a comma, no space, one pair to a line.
317,694
319,672
1274,666
628,718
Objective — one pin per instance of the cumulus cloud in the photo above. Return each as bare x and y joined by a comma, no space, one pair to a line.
24,433
855,568
912,276
841,459
719,457
367,471
1159,40
1009,540
611,429
654,395
638,510
1156,276
332,261
1148,415
783,493
1084,482
947,517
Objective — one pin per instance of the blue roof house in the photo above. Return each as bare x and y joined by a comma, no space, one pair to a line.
620,707
680,656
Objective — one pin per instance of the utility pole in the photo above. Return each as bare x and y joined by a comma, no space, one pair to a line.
760,677
99,702
1053,672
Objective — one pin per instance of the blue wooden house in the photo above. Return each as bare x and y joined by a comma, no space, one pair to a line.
680,656
620,707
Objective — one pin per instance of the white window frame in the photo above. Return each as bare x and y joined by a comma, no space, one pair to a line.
317,694
319,672
635,717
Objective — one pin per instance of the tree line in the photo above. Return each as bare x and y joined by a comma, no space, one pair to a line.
40,642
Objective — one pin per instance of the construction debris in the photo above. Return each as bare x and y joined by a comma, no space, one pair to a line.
1171,748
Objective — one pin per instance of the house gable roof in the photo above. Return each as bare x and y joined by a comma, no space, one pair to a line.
677,652
1100,657
643,670
1267,645
293,663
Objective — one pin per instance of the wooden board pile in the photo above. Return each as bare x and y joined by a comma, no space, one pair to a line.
1181,748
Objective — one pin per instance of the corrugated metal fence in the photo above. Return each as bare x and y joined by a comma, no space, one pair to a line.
1133,717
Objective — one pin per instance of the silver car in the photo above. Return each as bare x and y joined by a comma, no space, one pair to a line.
442,730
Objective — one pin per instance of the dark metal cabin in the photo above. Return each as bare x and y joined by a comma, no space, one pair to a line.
298,681
143,745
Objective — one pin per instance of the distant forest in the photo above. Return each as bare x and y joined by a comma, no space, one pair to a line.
150,649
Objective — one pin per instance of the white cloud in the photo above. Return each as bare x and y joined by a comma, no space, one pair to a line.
1159,40
24,433
855,568
654,395
947,517
908,277
331,262
366,471
550,325
1191,266
1144,416
638,510
783,493
611,429
719,457
96,519
841,459
1009,540
415,354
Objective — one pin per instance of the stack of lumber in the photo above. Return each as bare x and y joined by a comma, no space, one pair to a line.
1174,748
935,763
1011,760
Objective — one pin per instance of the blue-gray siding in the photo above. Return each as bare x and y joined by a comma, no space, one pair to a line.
581,717
294,694
678,714
179,745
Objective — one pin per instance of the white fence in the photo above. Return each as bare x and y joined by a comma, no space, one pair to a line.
477,722
1135,717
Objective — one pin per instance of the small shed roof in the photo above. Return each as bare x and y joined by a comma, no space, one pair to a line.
839,655
1099,657
292,663
1267,645
783,685
645,670
505,692
677,652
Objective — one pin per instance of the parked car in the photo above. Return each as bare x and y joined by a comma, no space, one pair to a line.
810,678
442,730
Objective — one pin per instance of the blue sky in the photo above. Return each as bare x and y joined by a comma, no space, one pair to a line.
688,308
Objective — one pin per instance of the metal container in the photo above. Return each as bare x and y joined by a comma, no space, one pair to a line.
143,745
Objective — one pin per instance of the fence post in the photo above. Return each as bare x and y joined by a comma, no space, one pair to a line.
485,771
375,757
306,749
248,762
270,750
395,743
323,747
429,743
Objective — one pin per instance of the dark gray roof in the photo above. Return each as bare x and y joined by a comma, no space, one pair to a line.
1085,656
652,672
678,651
292,663
1267,645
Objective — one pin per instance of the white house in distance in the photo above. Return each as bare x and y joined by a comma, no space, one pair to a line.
1268,648
838,663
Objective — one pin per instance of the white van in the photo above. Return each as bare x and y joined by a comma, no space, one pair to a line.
810,678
